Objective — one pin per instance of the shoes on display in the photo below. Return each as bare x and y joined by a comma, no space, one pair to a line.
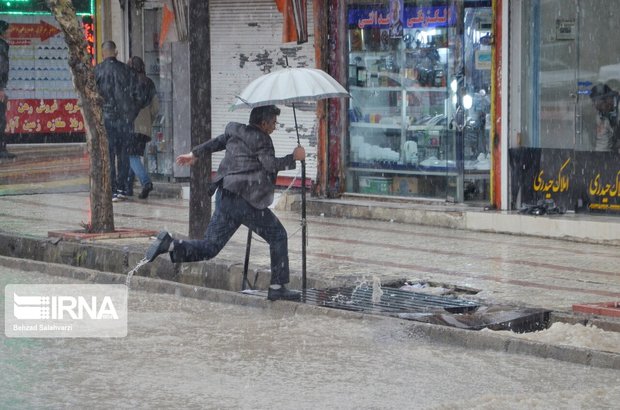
283,293
161,245
146,190
469,164
430,161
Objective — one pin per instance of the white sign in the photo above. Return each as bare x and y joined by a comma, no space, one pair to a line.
65,311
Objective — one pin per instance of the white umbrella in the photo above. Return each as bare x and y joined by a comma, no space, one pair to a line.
291,86
288,86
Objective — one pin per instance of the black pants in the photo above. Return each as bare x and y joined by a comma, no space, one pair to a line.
118,145
232,212
3,137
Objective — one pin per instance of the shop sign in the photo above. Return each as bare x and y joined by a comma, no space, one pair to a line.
572,179
30,7
378,16
565,29
602,180
42,96
44,116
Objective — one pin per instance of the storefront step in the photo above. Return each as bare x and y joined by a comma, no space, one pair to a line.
587,228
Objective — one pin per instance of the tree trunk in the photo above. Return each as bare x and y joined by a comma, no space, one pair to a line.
200,103
101,211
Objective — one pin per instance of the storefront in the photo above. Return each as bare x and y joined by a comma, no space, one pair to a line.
246,42
561,149
43,105
418,122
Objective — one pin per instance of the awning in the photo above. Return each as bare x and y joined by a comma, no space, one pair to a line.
295,27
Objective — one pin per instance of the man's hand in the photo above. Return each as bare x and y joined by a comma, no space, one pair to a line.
186,159
3,97
299,153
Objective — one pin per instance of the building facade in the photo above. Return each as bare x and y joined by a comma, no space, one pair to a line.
464,101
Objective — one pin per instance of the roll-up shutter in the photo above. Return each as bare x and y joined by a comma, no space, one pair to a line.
246,42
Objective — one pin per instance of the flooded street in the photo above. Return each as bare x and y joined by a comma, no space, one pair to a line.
186,353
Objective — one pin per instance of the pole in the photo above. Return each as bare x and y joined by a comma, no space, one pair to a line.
246,263
303,211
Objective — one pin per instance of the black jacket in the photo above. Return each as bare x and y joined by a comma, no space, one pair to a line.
4,63
119,86
250,166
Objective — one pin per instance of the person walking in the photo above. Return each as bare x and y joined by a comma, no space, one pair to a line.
122,101
245,182
4,99
143,127
605,101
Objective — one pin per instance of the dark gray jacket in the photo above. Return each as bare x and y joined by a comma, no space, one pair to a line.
4,63
119,86
250,166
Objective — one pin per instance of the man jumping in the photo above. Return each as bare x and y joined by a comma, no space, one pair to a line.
246,182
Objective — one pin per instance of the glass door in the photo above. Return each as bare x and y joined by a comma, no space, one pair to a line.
564,126
598,72
474,99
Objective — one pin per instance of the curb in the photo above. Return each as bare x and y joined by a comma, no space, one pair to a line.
433,333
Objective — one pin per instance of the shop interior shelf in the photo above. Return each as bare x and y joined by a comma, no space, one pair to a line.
402,169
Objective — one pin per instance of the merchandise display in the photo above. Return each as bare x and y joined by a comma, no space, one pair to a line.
406,89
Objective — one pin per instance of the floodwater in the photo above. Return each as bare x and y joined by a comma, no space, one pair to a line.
187,353
590,337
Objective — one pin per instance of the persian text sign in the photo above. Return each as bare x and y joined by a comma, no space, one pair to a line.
44,116
49,311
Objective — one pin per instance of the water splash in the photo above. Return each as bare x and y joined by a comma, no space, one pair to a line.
377,292
134,270
362,285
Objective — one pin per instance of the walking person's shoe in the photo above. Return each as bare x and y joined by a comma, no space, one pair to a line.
118,197
282,293
161,245
146,189
6,155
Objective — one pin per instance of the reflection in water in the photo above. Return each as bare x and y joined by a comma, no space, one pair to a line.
186,353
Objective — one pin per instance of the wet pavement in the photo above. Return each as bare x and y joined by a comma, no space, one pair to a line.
509,269
187,353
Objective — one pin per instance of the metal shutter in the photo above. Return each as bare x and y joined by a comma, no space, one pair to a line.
246,42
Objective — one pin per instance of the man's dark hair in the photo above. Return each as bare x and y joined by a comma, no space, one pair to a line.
108,45
4,26
601,90
265,113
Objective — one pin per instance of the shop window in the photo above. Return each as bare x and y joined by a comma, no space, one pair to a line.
410,74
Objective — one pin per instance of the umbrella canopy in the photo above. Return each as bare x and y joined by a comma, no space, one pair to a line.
290,85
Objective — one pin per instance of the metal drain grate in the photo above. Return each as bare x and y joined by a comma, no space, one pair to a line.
387,301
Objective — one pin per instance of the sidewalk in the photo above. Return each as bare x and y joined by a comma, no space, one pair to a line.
505,274
508,269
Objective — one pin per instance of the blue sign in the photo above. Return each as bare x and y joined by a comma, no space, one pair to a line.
414,17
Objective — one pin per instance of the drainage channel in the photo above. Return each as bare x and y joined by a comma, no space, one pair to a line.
422,307
383,300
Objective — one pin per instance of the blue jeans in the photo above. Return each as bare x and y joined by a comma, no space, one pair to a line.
137,169
232,212
118,136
